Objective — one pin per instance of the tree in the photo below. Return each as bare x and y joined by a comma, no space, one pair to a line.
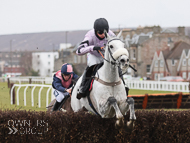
34,73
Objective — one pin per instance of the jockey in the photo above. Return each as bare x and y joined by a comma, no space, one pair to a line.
62,83
93,41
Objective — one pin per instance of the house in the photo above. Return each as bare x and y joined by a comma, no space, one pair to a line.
172,61
69,55
144,42
43,62
183,68
15,63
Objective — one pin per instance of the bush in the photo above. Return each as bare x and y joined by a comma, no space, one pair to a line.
151,126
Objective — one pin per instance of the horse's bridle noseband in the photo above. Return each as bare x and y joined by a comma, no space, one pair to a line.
110,52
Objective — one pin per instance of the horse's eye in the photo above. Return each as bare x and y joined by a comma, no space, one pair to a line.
111,46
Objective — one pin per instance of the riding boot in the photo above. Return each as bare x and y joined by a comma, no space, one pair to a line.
121,76
56,106
81,90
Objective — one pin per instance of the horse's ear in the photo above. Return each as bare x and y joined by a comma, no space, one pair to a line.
106,35
119,35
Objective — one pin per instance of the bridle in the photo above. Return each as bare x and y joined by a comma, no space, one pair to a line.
114,62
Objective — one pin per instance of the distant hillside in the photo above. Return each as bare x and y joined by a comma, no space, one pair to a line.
40,41
44,41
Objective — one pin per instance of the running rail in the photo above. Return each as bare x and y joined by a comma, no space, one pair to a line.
49,87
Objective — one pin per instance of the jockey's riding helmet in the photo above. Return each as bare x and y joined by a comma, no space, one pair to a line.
101,24
66,69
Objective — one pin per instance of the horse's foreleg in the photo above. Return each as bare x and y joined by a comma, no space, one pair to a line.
112,103
131,103
126,105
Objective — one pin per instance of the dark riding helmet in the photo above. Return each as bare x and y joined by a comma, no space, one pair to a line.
66,69
101,24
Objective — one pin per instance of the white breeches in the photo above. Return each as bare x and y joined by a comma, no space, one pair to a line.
59,96
92,59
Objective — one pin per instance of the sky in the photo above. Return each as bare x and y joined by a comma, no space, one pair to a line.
34,16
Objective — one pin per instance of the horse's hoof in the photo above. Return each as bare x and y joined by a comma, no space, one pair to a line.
63,110
119,123
130,125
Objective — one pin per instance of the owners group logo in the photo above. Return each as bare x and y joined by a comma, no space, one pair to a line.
26,127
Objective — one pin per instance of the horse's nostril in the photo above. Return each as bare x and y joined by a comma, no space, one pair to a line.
127,60
122,60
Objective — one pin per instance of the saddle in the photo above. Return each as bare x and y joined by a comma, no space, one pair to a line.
90,77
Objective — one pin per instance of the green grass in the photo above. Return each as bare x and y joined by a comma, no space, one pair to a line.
5,99
142,92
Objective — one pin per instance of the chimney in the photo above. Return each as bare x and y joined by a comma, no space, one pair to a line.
181,30
156,29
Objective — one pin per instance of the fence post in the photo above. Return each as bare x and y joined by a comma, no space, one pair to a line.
179,100
8,82
30,81
11,85
145,101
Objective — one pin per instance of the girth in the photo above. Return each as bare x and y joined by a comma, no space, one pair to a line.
107,83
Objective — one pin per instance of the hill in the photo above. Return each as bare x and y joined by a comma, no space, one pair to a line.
47,41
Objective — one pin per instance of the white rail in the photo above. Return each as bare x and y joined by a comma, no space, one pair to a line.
32,93
159,85
43,80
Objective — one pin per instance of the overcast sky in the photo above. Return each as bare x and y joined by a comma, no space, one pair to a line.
31,16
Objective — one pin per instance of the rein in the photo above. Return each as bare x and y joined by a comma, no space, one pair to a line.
113,63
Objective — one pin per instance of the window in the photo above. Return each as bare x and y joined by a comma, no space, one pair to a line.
38,63
49,70
184,62
155,76
38,71
156,63
48,63
48,56
147,68
189,62
161,74
134,54
161,63
173,62
184,75
38,56
169,39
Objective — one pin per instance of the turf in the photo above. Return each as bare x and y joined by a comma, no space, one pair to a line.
5,99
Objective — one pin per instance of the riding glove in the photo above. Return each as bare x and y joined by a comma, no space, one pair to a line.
96,48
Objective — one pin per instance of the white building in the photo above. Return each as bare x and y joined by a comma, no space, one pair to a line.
64,46
43,62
